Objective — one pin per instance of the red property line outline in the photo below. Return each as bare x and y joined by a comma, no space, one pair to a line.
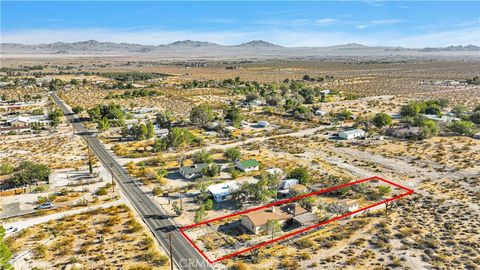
183,229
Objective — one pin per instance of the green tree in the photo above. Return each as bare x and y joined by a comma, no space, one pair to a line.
344,115
54,116
5,253
200,213
202,157
209,204
29,173
201,115
232,154
384,190
233,113
411,109
6,168
103,124
433,109
301,174
150,130
462,127
77,109
177,209
274,226
164,119
381,120
475,117
459,110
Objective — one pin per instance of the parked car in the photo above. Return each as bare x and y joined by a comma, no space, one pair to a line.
11,229
47,205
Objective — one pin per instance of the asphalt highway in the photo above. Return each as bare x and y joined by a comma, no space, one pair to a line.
160,224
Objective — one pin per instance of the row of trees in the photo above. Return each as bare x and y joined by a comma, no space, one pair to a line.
26,173
178,138
139,131
134,94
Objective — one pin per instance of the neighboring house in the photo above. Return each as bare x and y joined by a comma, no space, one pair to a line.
22,121
248,165
285,186
257,221
351,134
14,129
18,121
263,124
230,129
161,132
255,103
326,91
320,113
192,171
443,118
223,191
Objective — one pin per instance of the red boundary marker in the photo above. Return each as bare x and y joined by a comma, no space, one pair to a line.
183,229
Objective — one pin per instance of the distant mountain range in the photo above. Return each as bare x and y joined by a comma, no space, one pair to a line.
190,48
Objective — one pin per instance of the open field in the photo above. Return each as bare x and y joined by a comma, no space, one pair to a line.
105,238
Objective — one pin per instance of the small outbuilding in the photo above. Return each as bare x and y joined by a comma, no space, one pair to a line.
351,134
248,165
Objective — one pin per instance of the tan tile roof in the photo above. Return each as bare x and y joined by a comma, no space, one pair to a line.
261,217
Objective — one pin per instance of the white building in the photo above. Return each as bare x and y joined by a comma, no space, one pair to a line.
248,165
320,113
221,192
351,134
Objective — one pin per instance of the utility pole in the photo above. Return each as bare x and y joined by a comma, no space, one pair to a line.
111,172
171,253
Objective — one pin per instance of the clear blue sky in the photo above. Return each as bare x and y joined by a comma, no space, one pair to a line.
409,24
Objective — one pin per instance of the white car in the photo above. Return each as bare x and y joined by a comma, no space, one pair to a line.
11,229
47,205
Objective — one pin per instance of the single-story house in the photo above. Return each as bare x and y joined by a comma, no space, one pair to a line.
443,118
161,132
221,192
192,171
285,186
255,103
257,221
5,130
320,113
326,91
230,129
263,124
248,165
351,134
18,121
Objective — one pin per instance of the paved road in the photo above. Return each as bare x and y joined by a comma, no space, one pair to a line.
184,255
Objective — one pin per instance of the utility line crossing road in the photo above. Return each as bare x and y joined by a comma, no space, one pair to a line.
161,225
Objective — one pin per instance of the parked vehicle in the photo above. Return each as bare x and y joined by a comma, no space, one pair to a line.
11,229
47,205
